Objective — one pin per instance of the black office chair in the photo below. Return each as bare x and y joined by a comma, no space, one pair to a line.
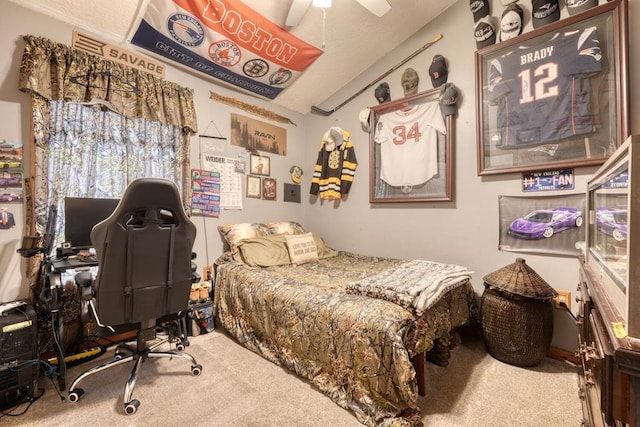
144,277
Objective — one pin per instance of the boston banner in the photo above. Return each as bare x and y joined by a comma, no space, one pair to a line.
226,40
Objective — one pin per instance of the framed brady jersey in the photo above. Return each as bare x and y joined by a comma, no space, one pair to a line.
411,149
557,96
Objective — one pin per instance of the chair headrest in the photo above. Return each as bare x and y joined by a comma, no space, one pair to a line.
146,201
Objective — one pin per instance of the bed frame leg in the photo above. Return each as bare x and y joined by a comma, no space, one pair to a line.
419,365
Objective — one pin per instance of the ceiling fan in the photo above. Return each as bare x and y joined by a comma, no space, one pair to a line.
299,8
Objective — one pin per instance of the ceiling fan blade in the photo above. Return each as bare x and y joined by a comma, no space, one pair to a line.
377,7
297,10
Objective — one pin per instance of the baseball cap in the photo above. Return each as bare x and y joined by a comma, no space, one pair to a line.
438,70
544,12
577,6
409,81
485,34
363,116
332,138
382,92
511,22
448,99
479,9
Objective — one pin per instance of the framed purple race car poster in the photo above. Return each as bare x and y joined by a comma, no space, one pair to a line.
547,225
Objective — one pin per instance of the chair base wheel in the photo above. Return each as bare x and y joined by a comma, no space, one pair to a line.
196,370
75,394
131,407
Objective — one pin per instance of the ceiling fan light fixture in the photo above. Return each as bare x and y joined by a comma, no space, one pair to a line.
377,7
324,4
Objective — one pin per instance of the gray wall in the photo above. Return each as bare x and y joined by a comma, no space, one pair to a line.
463,232
16,21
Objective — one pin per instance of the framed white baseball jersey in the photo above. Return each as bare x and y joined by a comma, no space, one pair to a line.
408,141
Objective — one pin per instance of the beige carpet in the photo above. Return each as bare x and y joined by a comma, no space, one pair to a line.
239,388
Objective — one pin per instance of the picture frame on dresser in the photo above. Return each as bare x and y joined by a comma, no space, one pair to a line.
424,173
556,96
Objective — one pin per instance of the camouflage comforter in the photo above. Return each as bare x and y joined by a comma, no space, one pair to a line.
355,349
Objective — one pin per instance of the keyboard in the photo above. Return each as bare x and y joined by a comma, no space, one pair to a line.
74,262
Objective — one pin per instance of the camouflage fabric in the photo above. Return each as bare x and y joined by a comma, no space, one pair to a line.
355,349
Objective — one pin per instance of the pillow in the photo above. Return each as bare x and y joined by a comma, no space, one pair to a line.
324,251
263,251
272,250
285,227
233,233
302,248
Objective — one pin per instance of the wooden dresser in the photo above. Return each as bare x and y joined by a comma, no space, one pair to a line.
610,373
609,292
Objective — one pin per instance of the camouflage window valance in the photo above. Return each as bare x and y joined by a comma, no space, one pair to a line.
56,71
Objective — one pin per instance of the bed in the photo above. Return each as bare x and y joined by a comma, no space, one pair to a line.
284,294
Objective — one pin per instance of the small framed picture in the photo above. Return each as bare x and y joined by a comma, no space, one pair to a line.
240,166
254,186
268,188
260,165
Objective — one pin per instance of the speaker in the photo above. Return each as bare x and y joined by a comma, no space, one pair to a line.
18,356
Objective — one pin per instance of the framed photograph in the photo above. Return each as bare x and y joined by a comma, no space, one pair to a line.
254,186
555,97
259,165
411,150
545,225
240,166
269,189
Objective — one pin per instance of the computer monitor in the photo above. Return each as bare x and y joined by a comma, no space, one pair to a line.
80,215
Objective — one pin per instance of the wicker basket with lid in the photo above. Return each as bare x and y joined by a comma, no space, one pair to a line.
517,314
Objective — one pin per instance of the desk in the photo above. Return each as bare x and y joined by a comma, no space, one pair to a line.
58,266
63,264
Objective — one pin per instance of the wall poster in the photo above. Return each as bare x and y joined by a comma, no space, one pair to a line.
545,225
254,134
226,41
205,193
230,179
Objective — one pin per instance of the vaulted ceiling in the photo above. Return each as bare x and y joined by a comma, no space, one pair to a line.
354,37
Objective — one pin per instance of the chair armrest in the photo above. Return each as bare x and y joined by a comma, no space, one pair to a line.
195,277
84,279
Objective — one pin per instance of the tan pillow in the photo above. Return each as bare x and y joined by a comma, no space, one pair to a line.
263,251
302,248
269,251
324,251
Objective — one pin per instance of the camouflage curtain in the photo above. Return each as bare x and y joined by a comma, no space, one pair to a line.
97,151
54,71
